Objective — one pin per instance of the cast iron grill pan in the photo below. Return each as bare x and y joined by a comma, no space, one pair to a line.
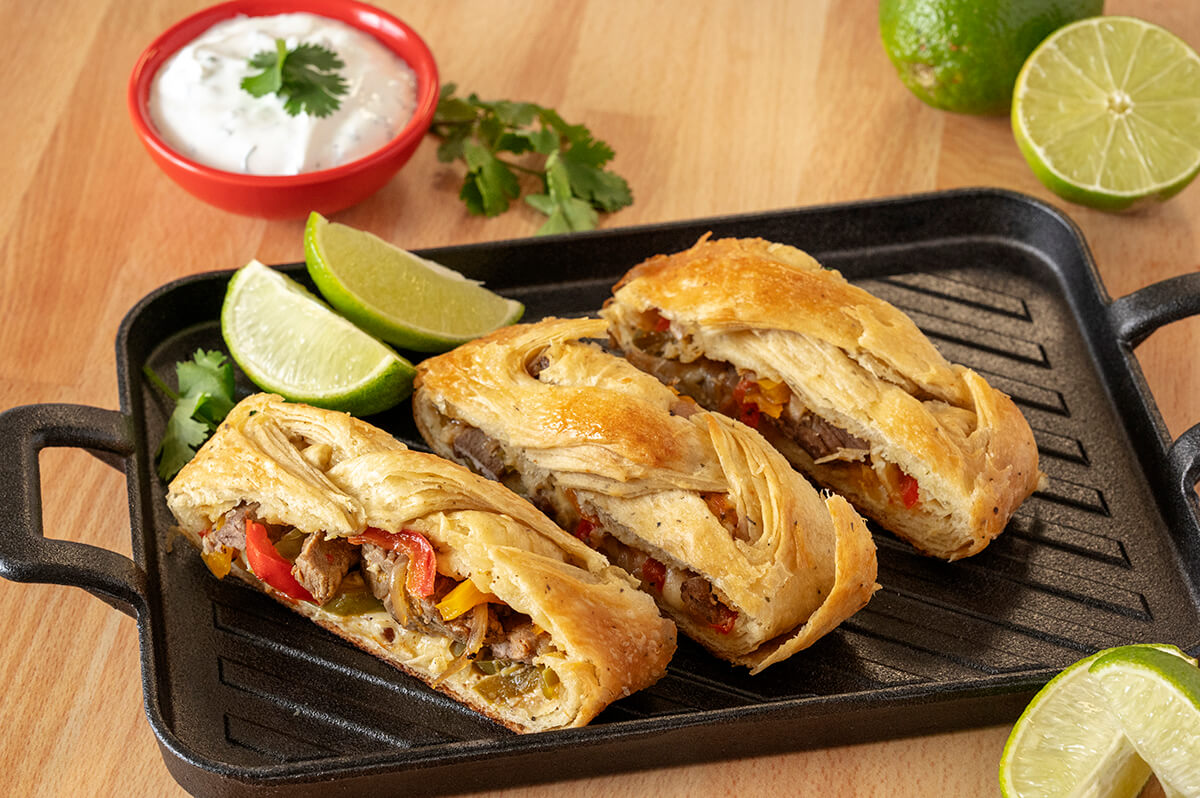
247,698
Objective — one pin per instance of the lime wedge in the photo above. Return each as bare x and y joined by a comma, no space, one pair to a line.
1107,112
290,343
1069,744
393,294
1156,697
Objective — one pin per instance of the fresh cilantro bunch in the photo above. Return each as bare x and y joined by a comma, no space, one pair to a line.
204,398
305,77
576,186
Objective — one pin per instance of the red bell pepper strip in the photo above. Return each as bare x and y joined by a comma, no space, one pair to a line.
909,491
654,573
422,562
750,415
747,412
725,624
584,529
269,565
739,391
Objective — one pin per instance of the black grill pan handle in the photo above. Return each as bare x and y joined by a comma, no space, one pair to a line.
26,555
1134,317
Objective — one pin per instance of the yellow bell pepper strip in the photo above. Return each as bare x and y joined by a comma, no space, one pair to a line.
462,599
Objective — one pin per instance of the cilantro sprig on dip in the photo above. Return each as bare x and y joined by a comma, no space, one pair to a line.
567,158
305,76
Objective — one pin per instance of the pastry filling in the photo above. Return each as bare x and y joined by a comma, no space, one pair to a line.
681,590
768,406
396,573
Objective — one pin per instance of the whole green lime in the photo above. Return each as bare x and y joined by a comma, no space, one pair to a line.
964,55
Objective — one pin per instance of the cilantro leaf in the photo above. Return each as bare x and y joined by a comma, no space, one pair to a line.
209,375
270,80
568,159
490,184
567,212
205,397
305,77
605,190
183,436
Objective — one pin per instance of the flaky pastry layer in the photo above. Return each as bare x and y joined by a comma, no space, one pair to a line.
854,368
608,446
323,472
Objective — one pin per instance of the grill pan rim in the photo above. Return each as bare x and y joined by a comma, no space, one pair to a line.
1091,305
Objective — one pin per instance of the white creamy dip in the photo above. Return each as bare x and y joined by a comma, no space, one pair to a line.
200,110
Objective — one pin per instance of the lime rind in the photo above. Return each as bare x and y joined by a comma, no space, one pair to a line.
417,304
289,342
1093,156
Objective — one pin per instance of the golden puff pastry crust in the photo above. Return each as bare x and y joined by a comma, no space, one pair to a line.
842,382
734,545
604,639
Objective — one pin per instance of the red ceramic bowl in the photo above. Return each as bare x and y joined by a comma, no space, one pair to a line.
289,196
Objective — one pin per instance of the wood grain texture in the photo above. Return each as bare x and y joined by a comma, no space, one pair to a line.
712,107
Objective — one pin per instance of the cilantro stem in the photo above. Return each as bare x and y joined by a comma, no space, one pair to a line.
157,382
518,167
576,186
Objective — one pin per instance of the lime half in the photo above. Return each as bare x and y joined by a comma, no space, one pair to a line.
291,343
1107,112
393,294
1156,698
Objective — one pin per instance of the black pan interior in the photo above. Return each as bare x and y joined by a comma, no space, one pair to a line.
242,692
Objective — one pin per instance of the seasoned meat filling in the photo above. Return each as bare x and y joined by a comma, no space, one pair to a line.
231,532
472,446
322,564
713,384
817,436
538,365
698,597
510,635
482,453
485,631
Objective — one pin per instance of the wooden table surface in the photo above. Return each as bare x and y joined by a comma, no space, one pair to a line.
712,108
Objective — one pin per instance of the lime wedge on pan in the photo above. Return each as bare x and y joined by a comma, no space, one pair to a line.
291,343
1156,698
1107,112
397,296
1068,743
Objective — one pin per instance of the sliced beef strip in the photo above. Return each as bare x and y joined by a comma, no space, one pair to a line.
537,365
700,601
322,564
483,453
522,644
817,436
231,534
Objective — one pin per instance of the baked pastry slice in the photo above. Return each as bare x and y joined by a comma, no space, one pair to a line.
733,544
444,574
841,382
